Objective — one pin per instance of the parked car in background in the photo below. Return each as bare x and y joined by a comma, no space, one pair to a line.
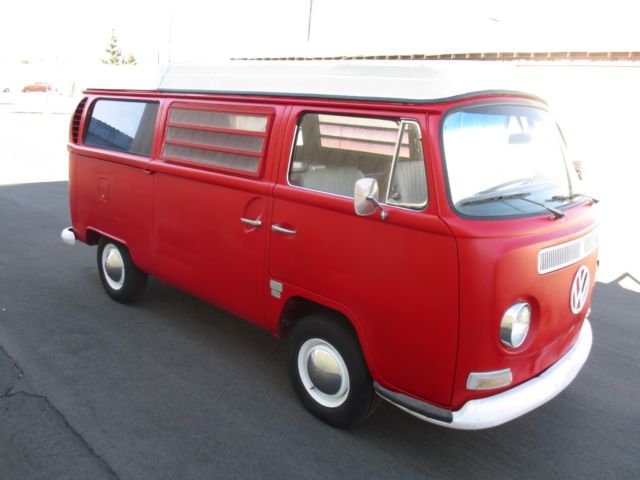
37,87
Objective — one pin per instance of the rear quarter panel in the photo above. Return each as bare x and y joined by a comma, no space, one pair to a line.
116,200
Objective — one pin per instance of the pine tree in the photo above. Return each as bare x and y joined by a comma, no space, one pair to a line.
130,60
114,54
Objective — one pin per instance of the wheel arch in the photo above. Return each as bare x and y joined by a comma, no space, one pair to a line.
296,307
92,237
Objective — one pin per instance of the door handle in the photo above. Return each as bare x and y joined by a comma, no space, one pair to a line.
253,223
279,229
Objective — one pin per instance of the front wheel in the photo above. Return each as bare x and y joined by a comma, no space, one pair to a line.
328,371
120,277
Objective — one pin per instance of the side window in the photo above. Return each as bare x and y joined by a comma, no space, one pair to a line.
122,125
226,140
332,152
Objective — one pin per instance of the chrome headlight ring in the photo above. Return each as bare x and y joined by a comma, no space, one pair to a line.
515,323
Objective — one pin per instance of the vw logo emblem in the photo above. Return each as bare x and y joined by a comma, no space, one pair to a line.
579,289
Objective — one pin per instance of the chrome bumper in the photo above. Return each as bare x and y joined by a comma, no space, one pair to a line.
505,406
68,236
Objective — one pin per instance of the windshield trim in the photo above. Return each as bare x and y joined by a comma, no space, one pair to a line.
516,102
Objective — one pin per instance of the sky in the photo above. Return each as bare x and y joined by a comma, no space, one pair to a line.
76,31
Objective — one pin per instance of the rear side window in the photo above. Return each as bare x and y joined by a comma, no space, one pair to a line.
332,152
217,139
123,125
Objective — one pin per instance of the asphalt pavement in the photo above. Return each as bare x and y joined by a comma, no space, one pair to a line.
173,388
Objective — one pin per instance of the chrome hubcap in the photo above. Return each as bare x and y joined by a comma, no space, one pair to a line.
113,266
323,373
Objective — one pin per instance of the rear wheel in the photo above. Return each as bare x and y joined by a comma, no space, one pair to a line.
120,277
328,371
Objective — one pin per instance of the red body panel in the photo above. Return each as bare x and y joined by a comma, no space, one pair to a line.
203,248
497,272
116,200
425,290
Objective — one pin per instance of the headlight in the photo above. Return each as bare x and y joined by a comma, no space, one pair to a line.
515,325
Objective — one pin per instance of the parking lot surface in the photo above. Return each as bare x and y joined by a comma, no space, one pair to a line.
172,387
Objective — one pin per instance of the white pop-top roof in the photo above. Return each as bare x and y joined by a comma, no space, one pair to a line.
414,81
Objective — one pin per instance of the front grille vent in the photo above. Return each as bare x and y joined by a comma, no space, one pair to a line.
75,121
565,254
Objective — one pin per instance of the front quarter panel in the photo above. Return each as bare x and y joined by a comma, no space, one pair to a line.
495,273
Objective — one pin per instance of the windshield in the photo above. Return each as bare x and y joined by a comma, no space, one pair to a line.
505,161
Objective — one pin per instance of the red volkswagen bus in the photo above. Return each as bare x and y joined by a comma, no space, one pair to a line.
413,231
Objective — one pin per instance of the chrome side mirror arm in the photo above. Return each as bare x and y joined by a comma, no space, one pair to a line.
383,213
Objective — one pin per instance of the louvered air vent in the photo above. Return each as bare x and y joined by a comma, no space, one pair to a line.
216,139
75,121
560,256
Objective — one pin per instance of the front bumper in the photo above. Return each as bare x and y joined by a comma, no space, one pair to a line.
505,406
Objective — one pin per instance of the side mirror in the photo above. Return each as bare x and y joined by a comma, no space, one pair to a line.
365,198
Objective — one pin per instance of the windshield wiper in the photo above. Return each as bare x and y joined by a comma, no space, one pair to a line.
564,198
515,196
